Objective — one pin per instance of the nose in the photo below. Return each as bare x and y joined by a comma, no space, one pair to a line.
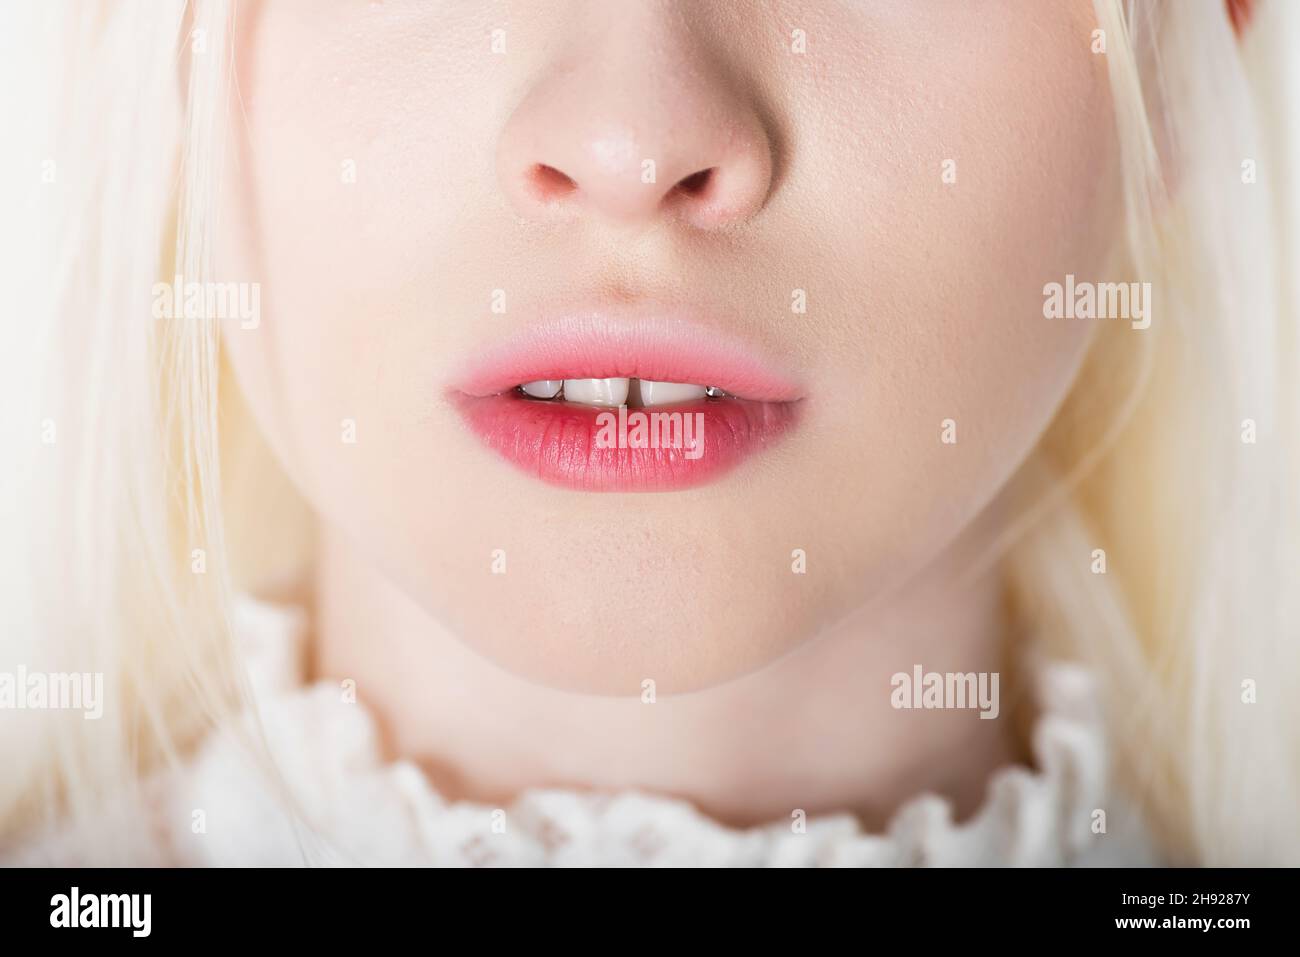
637,126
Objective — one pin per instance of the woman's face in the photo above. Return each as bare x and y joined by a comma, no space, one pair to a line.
851,212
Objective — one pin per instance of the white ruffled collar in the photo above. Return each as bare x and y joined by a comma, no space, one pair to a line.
360,808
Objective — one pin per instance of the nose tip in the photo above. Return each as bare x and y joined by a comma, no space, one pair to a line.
577,147
706,188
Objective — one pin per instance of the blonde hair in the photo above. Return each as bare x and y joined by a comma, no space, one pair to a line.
115,554
1187,481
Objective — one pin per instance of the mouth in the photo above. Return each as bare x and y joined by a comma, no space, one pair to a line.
633,406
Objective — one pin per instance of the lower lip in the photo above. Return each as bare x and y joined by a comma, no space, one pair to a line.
562,443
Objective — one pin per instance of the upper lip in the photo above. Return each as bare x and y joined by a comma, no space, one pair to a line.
653,345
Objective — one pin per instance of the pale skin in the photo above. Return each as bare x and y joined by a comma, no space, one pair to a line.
924,304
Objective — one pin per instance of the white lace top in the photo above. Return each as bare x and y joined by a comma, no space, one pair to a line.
355,807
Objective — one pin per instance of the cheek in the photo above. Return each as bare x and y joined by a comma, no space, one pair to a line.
348,202
947,200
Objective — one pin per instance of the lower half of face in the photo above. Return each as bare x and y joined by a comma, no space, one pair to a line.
490,237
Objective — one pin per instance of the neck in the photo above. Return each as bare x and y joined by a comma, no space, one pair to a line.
815,730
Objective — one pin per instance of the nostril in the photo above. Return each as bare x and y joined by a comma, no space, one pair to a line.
548,184
697,184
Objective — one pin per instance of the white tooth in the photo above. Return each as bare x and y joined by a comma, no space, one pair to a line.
611,392
669,393
543,388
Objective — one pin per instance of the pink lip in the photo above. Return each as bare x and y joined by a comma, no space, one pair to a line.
557,442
